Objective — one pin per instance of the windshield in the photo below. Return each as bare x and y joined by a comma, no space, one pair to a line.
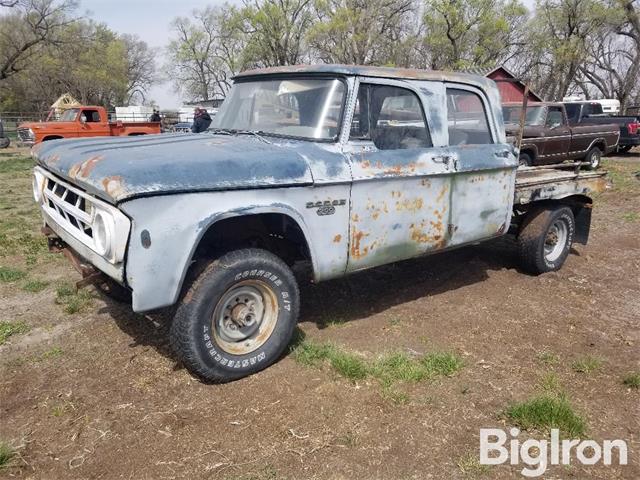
291,107
69,115
535,115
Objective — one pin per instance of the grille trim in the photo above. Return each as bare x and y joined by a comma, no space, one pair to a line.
24,135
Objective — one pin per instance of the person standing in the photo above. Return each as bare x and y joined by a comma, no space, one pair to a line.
155,116
201,120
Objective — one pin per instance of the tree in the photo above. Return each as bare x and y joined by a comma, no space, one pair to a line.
466,33
206,53
93,63
30,26
275,31
363,32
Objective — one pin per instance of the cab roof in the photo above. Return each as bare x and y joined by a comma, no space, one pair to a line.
369,71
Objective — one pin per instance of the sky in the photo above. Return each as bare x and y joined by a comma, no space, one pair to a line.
150,20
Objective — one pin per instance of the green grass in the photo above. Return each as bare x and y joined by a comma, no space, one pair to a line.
16,164
8,329
53,352
6,454
10,275
548,358
394,367
471,467
35,286
73,300
550,383
632,380
631,217
545,412
587,364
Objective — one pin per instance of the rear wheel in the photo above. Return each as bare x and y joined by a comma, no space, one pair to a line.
238,316
594,157
546,238
525,160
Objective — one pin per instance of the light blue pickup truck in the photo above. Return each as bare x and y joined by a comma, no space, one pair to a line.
343,167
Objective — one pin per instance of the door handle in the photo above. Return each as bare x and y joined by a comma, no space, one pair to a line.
441,159
502,153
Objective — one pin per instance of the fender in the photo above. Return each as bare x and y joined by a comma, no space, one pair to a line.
167,229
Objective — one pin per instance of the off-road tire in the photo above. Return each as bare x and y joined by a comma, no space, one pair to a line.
533,235
114,291
193,334
594,157
525,160
4,142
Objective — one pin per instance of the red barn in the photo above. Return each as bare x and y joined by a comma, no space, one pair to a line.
511,88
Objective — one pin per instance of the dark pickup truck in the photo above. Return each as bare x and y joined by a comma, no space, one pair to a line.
549,137
592,113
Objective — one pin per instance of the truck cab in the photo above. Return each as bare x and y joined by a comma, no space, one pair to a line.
341,167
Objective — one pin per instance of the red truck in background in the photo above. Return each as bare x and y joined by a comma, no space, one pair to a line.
84,121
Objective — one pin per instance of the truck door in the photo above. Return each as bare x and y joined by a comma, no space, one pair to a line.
401,179
485,166
557,136
91,124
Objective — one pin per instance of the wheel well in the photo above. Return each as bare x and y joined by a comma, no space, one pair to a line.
276,232
600,144
52,137
580,205
530,152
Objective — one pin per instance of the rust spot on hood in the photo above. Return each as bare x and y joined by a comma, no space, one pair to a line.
114,186
84,169
337,238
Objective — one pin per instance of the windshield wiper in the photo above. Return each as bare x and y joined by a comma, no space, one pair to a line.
256,133
221,131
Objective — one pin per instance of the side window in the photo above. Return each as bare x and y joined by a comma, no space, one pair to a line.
391,117
91,116
466,118
554,117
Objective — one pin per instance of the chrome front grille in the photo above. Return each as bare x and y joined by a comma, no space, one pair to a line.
24,135
70,207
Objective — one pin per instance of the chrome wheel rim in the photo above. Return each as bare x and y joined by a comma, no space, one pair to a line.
595,159
245,317
556,240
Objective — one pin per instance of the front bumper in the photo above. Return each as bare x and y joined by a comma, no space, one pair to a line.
86,256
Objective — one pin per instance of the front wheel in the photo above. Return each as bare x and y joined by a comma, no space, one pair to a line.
4,142
238,316
594,156
545,239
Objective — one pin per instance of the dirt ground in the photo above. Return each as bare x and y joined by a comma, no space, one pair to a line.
93,391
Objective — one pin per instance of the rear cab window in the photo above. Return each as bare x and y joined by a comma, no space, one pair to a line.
467,118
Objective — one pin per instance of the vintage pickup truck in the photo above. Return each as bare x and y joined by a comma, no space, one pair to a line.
585,112
82,122
343,167
549,138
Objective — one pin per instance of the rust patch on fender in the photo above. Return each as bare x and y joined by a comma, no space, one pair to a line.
337,238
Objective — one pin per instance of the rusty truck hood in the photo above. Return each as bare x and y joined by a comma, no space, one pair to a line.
116,169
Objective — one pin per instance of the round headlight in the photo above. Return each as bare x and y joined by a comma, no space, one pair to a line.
37,184
102,231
